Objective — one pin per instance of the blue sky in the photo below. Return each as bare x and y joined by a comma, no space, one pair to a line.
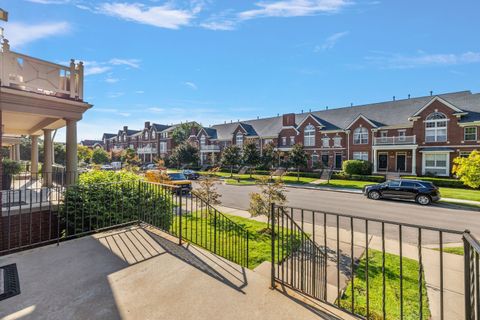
215,61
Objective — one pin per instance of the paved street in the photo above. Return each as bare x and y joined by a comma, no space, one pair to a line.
438,215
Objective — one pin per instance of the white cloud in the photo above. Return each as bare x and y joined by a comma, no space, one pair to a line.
134,63
156,110
293,8
165,16
331,41
398,61
139,92
114,95
191,85
111,80
224,25
21,34
92,70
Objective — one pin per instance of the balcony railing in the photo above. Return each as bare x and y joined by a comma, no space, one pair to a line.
27,73
394,140
146,150
211,147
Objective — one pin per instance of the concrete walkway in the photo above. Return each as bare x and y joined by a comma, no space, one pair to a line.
452,264
140,273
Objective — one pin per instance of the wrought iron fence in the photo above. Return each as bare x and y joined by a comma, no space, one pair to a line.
472,276
371,268
33,216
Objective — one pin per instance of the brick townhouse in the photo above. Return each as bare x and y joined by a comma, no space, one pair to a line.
415,136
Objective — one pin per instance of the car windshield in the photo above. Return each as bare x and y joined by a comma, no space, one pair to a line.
177,176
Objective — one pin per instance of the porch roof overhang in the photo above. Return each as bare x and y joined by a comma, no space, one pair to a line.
395,147
436,149
27,113
8,140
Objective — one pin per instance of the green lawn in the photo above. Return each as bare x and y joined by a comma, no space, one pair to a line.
392,288
199,229
452,250
465,194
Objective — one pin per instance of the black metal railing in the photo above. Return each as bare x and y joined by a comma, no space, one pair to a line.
61,212
371,268
472,276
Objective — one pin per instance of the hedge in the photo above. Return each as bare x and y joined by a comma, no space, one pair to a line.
441,182
344,176
359,167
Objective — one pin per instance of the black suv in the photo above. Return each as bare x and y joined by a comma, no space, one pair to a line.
422,192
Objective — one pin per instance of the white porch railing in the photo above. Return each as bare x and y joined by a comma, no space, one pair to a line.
31,74
210,147
146,150
394,140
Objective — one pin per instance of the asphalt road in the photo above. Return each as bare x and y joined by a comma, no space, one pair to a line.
438,215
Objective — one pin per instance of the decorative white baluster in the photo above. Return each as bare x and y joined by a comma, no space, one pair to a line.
72,78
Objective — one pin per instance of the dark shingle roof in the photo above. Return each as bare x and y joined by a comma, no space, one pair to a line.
90,143
109,135
159,127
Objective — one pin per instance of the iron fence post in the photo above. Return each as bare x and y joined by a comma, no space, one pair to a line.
467,277
247,248
180,219
272,219
214,230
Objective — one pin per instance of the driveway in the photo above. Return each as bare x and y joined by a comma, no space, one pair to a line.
437,215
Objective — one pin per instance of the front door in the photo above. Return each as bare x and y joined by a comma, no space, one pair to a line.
401,162
325,160
382,161
338,161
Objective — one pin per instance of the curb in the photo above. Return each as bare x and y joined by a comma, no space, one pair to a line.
343,190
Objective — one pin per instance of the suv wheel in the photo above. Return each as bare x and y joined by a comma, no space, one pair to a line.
374,195
423,199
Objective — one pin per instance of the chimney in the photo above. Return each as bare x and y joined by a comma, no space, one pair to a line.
302,111
147,124
193,131
326,108
351,104
258,117
393,98
431,93
288,120
310,110
409,96
125,128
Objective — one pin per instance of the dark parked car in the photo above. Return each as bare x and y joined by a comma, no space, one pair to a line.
422,192
191,175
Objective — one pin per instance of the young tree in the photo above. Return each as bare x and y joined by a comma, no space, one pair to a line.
298,158
260,203
99,156
207,189
468,169
231,157
185,153
181,133
84,153
251,156
130,157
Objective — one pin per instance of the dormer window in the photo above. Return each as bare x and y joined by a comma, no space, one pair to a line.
360,136
309,136
239,139
436,127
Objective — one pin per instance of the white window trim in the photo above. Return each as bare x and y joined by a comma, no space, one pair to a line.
435,129
464,134
237,140
437,152
361,134
361,153
310,138
337,141
325,142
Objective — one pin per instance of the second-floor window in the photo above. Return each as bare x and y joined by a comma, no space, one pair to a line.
401,135
326,142
470,134
436,127
163,147
202,140
239,139
360,136
309,136
284,141
153,134
145,135
292,140
337,141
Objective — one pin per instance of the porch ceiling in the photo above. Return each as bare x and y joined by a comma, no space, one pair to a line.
29,113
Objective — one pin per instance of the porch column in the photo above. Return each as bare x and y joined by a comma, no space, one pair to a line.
201,158
414,162
34,157
48,159
17,152
213,158
374,160
12,154
71,150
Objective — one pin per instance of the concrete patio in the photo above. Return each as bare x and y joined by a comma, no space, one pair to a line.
140,273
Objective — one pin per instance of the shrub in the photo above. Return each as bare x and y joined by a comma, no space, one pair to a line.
440,182
468,169
10,167
104,199
359,167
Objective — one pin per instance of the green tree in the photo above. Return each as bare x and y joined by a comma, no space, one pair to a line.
185,154
250,156
207,188
84,153
260,203
60,153
298,158
130,157
181,133
268,156
99,156
231,157
468,169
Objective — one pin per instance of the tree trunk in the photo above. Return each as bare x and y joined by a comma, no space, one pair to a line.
298,174
231,171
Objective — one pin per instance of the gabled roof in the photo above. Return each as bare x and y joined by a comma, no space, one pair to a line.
210,132
129,132
91,143
248,128
159,127
311,116
108,135
437,98
361,116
